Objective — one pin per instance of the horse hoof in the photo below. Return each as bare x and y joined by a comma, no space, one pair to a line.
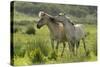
61,55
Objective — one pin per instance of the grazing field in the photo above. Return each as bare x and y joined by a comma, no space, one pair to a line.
36,48
32,46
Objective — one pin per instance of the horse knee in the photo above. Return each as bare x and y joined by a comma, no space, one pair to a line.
57,45
72,46
52,43
77,45
64,44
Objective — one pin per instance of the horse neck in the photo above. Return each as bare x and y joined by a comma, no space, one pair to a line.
69,29
52,27
69,26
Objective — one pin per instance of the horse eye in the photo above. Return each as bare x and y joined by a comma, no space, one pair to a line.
43,14
42,19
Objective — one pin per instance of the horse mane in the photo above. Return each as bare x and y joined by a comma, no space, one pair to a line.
53,20
41,13
71,22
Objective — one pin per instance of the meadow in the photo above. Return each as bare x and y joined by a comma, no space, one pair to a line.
31,46
35,48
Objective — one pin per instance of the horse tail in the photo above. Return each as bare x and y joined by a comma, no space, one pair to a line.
87,33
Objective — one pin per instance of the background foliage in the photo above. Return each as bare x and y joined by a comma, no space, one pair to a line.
88,14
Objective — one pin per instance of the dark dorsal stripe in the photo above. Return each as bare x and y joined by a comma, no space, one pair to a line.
53,20
71,22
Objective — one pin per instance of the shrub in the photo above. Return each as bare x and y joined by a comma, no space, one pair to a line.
36,56
23,22
30,30
15,29
41,44
53,55
19,50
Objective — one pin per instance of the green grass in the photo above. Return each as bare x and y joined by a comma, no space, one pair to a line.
36,49
32,49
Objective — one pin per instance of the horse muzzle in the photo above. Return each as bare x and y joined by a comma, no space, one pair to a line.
38,26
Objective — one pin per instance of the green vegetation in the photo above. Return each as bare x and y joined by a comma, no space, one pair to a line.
32,45
78,13
36,49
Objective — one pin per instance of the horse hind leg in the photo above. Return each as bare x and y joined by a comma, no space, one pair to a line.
64,44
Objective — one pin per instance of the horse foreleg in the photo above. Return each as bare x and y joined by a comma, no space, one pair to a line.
52,43
57,46
63,48
77,46
73,48
70,49
84,45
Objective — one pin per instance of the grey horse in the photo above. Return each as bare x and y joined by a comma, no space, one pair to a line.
74,33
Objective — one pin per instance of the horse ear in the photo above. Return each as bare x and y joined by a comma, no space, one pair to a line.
43,14
55,19
72,23
52,19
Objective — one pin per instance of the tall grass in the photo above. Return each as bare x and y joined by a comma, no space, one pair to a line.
36,49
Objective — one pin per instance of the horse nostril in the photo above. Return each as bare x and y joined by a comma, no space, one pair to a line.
38,26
